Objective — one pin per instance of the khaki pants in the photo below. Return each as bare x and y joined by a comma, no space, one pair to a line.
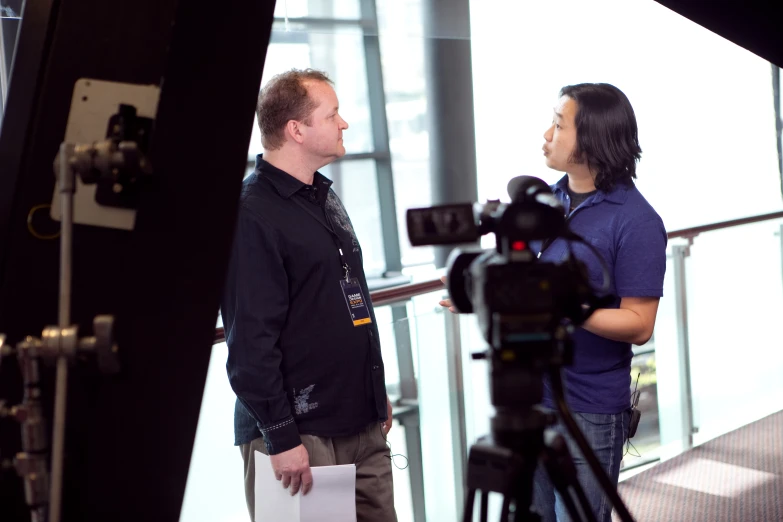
367,449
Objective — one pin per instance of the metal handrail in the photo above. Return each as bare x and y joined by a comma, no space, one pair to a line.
695,231
404,292
379,297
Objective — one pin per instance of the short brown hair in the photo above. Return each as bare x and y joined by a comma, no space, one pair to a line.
285,98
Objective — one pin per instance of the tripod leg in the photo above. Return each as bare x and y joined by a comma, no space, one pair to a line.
556,380
484,506
562,472
467,516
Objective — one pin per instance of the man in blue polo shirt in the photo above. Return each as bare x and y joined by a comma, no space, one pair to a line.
593,139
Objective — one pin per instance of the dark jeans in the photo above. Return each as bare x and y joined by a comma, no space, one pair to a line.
606,434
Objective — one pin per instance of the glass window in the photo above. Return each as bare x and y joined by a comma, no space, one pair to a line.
339,51
343,9
356,184
400,27
341,55
10,20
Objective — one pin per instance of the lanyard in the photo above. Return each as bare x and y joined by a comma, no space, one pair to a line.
330,227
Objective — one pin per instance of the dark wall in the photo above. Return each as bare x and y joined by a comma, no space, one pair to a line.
130,436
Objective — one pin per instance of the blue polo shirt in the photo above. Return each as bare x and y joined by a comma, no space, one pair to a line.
631,238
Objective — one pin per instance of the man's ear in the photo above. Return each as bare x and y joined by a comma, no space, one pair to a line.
294,131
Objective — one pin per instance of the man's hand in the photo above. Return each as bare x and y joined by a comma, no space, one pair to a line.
388,423
446,303
293,468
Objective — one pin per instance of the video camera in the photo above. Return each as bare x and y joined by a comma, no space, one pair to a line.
527,310
517,298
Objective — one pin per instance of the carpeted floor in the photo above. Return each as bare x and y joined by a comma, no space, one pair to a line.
737,477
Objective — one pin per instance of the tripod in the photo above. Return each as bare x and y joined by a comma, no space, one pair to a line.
505,462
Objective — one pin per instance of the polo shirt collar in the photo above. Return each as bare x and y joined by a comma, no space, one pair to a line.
285,184
617,195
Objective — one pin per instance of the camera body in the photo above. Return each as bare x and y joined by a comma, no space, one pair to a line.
526,308
519,300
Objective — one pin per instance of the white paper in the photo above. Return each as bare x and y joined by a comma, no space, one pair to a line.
333,496
331,499
273,502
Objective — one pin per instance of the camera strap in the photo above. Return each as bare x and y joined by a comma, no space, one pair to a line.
548,241
545,245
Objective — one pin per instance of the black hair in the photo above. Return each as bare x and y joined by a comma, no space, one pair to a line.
607,137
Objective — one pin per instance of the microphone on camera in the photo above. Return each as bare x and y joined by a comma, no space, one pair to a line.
526,187
530,188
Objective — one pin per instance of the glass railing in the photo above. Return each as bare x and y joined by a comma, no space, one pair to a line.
712,366
645,445
718,365
426,408
735,305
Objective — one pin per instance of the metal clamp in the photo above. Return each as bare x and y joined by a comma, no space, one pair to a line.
116,165
58,341
55,343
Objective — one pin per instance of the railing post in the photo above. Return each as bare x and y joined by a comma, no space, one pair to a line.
402,336
679,255
457,404
409,396
780,234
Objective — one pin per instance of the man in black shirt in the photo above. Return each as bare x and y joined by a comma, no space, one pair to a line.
304,354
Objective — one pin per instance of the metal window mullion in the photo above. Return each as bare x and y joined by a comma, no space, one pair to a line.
459,442
778,119
380,135
403,340
4,70
409,399
391,240
378,156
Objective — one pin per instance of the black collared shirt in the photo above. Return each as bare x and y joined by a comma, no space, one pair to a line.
295,359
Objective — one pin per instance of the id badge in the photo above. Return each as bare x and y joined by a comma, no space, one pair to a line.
357,306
